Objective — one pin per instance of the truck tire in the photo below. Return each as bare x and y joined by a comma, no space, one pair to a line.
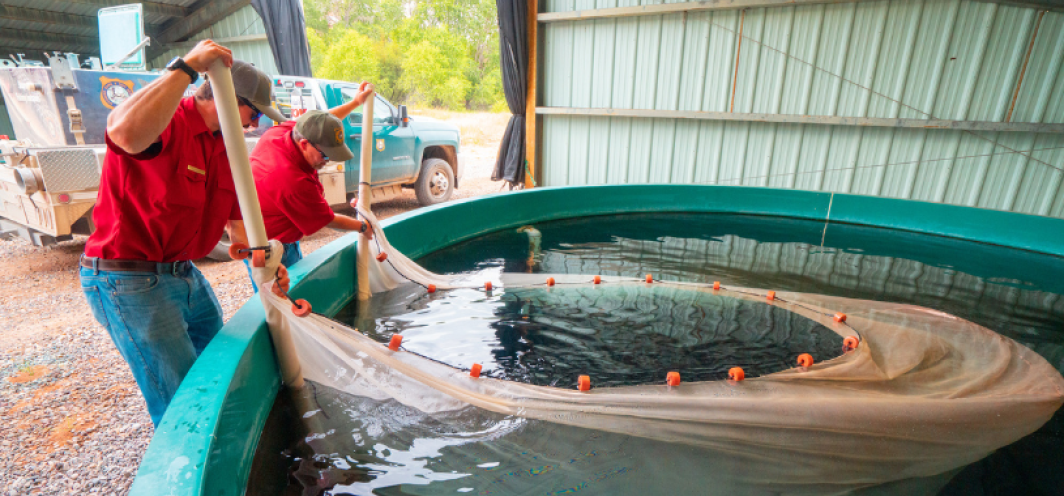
220,252
435,184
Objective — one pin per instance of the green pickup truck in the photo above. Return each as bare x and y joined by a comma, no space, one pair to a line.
408,152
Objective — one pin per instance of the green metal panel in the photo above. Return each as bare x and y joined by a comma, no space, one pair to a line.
958,60
242,24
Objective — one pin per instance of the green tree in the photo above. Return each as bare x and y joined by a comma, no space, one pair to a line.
349,56
432,52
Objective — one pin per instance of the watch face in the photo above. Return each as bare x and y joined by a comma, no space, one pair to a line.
172,65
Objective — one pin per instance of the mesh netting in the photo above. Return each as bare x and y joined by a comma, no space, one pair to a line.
923,393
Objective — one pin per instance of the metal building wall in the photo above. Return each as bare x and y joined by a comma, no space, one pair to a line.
243,32
959,60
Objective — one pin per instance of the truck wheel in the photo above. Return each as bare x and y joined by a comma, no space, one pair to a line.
220,252
436,182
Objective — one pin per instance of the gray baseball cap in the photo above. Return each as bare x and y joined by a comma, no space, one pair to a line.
326,132
255,86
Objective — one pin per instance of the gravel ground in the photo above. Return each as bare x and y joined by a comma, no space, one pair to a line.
73,419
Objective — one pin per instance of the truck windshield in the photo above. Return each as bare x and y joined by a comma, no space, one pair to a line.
382,113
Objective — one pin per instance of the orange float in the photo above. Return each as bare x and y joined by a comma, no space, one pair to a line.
301,308
396,341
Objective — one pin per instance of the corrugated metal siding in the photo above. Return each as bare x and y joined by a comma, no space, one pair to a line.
243,22
918,59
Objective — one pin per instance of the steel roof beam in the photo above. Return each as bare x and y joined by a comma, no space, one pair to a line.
36,48
830,120
55,38
47,17
202,18
165,9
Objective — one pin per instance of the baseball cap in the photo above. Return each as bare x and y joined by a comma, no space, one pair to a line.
254,86
326,132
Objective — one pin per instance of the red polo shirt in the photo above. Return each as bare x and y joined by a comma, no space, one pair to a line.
168,203
290,193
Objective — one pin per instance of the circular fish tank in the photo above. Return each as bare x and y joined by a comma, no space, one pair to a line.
228,431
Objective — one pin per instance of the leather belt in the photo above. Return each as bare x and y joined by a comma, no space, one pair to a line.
135,265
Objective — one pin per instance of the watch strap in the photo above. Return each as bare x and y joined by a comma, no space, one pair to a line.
179,64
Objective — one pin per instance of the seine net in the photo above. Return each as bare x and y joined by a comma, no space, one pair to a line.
923,392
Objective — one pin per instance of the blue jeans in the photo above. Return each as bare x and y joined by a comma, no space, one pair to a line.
160,323
292,254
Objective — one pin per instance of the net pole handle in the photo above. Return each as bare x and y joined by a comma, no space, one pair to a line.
236,150
364,172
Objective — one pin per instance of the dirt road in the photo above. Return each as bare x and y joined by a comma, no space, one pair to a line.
74,421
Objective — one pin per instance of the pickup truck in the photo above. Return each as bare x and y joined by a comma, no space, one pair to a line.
51,166
414,152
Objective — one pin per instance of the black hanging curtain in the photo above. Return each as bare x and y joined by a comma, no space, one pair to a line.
513,55
286,30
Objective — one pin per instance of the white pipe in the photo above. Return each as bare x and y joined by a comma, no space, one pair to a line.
364,172
237,150
143,43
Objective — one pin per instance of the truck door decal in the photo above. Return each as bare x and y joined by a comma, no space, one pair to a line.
114,91
380,145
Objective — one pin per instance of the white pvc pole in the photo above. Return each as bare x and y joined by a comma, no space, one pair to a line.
237,151
364,195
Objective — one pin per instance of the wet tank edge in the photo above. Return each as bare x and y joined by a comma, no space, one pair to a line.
206,440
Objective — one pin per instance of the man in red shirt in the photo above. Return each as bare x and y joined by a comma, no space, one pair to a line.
166,194
285,164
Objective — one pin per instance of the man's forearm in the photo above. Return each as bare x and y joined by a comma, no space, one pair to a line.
345,223
342,111
137,122
236,231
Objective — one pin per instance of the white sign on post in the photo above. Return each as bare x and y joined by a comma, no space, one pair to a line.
124,28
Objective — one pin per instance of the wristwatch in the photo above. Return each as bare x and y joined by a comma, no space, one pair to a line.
179,64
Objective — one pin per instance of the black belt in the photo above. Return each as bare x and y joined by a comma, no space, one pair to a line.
135,265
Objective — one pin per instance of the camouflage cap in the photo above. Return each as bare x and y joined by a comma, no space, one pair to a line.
255,86
326,132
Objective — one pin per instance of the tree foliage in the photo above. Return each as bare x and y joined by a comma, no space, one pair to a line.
431,52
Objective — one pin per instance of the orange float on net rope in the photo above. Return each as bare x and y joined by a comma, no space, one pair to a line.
716,285
850,343
805,360
650,278
396,341
736,374
550,281
431,288
672,378
598,279
771,296
583,383
840,317
301,308
487,286
236,251
474,371
382,256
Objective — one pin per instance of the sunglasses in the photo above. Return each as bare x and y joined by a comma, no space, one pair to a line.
255,113
323,155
